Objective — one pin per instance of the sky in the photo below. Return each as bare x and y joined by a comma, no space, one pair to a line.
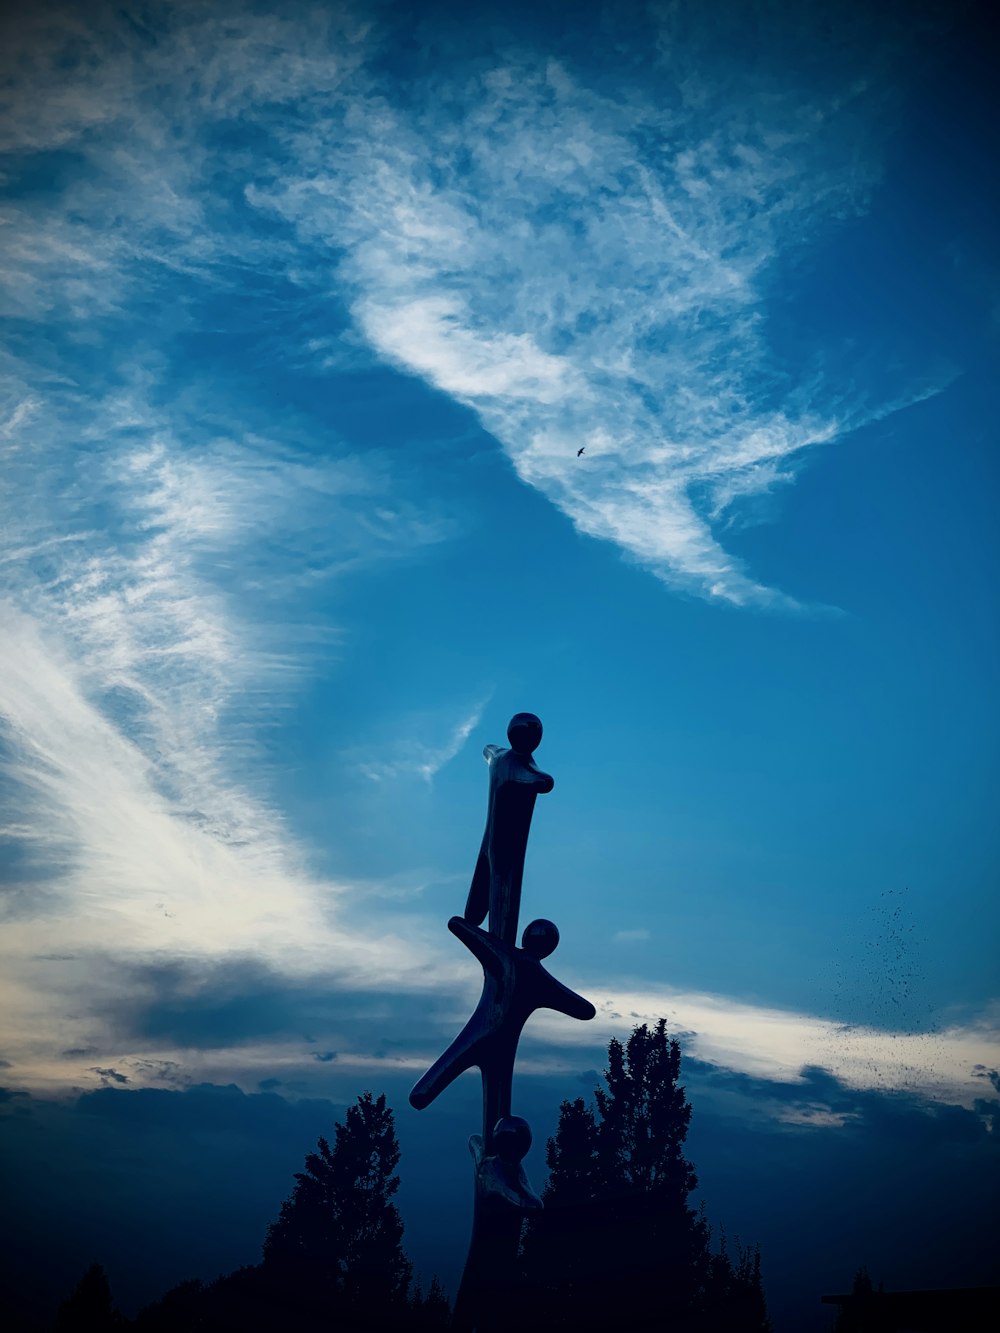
308,312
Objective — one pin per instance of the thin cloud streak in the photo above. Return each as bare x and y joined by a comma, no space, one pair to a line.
419,755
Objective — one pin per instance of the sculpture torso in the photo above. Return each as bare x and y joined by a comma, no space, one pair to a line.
515,781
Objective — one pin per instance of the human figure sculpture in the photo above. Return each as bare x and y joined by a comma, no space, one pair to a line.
500,1179
515,984
515,781
503,1197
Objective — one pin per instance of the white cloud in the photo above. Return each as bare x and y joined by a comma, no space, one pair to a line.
422,752
586,270
147,640
431,335
582,263
777,1044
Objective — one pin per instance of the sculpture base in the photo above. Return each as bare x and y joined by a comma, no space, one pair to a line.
486,1297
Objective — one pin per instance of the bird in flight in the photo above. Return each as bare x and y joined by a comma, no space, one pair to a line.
580,451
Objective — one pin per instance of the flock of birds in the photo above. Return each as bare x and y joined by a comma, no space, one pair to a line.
877,989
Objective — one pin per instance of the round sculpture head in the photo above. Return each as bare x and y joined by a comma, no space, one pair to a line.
524,731
540,938
511,1138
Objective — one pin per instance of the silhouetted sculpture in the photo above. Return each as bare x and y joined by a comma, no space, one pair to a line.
514,784
515,984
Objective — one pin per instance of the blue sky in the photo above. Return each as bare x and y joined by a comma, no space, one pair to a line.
307,314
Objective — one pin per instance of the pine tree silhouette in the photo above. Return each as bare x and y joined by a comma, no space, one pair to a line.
336,1247
333,1259
618,1245
90,1309
430,1313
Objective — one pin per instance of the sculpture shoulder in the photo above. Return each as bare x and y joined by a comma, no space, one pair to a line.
491,952
509,766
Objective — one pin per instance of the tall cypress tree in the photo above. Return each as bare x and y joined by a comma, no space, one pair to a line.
336,1248
645,1179
618,1245
571,1157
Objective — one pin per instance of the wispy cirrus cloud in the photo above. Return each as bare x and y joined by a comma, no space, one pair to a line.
593,272
159,576
163,557
639,935
581,267
158,572
131,120
422,752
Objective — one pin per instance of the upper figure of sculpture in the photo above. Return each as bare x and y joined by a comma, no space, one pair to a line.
515,781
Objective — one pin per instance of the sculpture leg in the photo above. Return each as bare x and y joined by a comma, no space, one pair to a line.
485,1298
498,1078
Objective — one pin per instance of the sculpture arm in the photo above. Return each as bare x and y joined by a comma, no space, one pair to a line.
542,782
478,902
563,1000
486,947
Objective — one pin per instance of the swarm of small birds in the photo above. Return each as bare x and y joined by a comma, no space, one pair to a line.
880,985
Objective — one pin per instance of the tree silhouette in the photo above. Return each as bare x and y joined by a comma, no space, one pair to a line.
572,1157
430,1313
733,1297
618,1245
90,1309
333,1259
183,1307
644,1116
860,1314
336,1247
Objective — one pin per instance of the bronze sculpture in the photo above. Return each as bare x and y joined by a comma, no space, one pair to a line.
515,984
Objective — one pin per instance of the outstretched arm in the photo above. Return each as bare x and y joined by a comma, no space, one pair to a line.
542,782
554,995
